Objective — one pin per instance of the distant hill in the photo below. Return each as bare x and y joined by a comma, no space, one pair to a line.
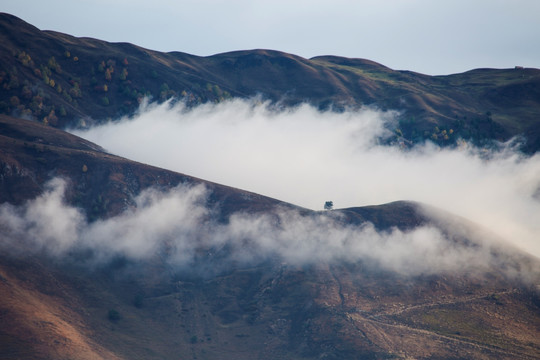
66,81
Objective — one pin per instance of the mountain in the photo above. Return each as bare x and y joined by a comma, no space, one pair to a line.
102,257
67,81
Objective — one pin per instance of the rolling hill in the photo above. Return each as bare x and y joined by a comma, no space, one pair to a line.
66,81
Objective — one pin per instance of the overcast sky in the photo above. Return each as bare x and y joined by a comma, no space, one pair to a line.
427,36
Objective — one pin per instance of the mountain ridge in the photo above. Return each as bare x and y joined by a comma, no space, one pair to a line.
94,81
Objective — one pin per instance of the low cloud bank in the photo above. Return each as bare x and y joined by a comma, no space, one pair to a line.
305,157
178,227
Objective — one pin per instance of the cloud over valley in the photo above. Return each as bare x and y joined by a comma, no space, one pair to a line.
305,156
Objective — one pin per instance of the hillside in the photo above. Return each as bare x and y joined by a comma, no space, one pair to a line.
102,184
70,306
332,311
66,81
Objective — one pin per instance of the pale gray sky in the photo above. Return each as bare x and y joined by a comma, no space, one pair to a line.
427,36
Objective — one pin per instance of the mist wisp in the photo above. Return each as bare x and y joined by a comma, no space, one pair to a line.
178,227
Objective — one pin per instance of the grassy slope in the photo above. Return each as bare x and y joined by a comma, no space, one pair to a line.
266,312
479,104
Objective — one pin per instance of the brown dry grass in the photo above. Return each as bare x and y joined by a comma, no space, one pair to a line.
44,325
